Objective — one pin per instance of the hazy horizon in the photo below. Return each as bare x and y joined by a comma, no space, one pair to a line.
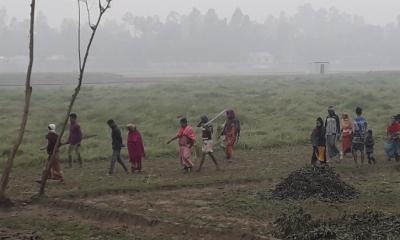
374,12
354,36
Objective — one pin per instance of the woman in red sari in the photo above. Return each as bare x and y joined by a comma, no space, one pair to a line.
135,148
55,172
231,132
347,134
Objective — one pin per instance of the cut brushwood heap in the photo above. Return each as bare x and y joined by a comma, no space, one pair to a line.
361,226
319,182
18,235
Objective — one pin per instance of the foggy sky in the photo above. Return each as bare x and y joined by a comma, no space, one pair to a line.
374,11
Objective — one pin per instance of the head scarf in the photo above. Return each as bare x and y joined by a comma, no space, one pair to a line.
51,127
346,121
131,126
230,114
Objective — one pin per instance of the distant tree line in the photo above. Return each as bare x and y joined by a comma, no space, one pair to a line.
201,38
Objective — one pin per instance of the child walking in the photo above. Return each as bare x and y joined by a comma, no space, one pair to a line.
369,147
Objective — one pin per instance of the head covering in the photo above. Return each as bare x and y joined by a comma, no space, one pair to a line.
51,127
230,114
131,126
331,108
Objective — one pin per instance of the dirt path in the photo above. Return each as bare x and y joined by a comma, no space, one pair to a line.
178,214
210,205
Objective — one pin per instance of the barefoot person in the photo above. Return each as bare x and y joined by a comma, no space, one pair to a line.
207,147
55,170
186,139
231,132
74,140
347,135
135,148
360,131
117,145
332,130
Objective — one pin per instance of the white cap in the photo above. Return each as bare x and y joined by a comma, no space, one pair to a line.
51,127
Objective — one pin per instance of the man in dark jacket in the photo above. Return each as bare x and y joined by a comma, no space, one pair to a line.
117,145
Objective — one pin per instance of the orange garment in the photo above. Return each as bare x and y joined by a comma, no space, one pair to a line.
230,139
321,154
187,137
55,169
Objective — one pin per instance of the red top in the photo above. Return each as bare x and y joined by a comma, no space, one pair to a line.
135,144
186,135
393,128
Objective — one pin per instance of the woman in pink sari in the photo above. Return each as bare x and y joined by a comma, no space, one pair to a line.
187,137
135,148
347,134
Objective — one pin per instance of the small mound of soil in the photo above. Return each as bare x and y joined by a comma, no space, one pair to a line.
320,182
363,226
8,234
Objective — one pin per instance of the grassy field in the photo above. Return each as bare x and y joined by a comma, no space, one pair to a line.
277,114
275,110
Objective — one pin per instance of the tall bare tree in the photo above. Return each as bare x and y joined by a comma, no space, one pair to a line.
28,93
103,7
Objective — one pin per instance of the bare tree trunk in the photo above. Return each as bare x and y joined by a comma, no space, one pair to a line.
82,66
28,93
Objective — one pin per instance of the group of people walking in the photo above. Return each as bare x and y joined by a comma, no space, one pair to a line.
135,147
186,137
357,138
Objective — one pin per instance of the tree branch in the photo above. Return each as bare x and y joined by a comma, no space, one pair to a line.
73,99
88,13
79,36
28,93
